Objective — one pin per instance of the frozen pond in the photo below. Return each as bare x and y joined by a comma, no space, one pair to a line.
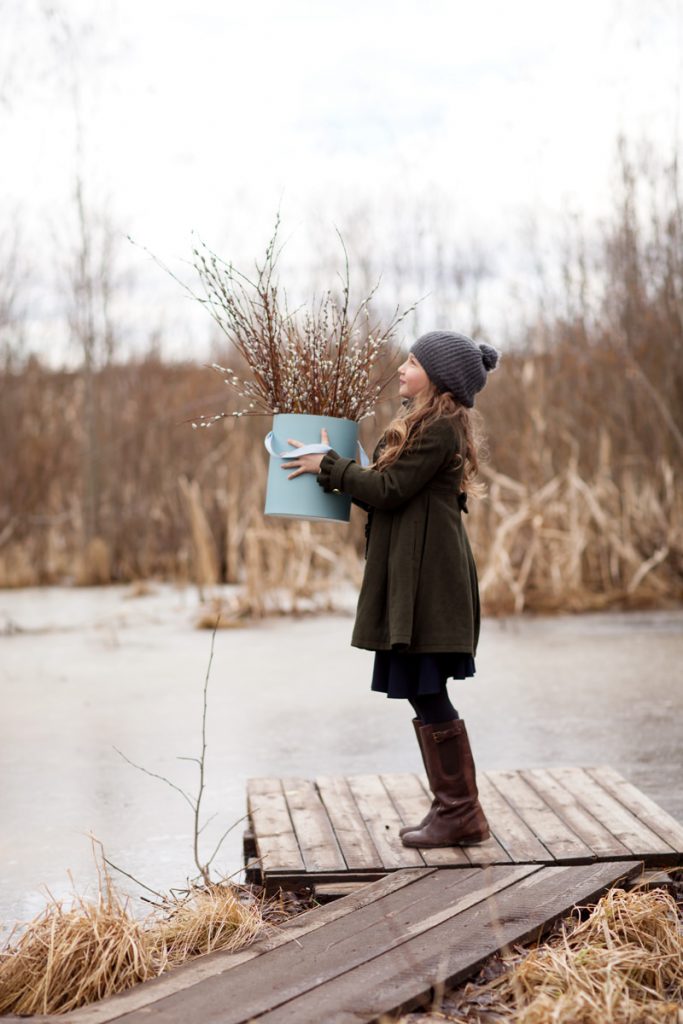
84,671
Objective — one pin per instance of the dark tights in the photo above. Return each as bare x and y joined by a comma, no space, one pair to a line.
434,708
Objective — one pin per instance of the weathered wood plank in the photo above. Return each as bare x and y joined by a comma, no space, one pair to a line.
326,891
260,784
315,835
650,813
639,839
345,829
488,852
382,822
121,1007
276,840
297,967
513,834
594,834
451,951
562,842
354,839
300,881
412,803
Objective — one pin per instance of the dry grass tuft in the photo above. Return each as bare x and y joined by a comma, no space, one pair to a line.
206,919
70,957
623,964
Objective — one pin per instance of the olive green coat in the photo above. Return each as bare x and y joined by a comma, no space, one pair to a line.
419,589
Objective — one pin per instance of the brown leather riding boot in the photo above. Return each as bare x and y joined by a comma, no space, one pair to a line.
458,819
417,724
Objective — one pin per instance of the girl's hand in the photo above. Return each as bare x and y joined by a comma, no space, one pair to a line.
305,463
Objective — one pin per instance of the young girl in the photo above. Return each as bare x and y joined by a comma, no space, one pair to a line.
418,607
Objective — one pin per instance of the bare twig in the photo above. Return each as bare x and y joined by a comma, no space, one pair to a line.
155,775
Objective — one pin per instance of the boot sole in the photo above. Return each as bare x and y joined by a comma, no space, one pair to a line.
465,841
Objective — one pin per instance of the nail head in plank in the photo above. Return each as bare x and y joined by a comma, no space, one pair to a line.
382,822
562,842
314,833
639,839
513,834
650,813
593,832
452,951
352,835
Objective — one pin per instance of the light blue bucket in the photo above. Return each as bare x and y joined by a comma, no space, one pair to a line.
303,497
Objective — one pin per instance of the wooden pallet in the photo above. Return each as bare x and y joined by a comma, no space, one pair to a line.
305,833
385,947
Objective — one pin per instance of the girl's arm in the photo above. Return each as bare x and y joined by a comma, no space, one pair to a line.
395,485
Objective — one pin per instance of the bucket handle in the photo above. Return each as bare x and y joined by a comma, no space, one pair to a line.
275,447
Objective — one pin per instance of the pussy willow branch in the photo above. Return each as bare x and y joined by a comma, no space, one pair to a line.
289,358
319,362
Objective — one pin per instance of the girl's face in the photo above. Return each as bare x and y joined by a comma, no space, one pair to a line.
412,378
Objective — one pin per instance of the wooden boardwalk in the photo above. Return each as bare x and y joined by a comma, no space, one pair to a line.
306,833
429,918
385,947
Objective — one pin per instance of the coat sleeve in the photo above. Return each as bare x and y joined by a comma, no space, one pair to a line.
398,483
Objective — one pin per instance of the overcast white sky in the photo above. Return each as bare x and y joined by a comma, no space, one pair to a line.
210,115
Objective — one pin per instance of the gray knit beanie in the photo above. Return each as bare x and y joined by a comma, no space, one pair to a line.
455,363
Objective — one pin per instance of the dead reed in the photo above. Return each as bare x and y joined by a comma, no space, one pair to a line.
584,426
560,528
67,957
578,543
71,956
207,918
623,964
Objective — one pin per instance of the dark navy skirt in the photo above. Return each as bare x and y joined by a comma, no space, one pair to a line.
399,674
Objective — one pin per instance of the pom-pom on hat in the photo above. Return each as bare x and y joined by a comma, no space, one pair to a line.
455,363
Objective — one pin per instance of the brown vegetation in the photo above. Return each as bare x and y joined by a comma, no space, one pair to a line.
69,956
585,434
622,963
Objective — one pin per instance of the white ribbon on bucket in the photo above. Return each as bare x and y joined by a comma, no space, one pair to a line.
275,447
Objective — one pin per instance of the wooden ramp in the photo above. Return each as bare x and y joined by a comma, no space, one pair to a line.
383,948
343,830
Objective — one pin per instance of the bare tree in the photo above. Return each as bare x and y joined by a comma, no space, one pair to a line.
13,280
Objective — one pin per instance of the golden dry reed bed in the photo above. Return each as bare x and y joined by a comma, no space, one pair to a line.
565,525
102,478
623,964
71,956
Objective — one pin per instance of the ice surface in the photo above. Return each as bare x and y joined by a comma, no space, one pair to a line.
85,670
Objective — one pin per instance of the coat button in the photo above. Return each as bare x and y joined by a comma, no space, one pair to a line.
335,490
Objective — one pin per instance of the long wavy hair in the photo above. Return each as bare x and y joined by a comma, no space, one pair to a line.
418,413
